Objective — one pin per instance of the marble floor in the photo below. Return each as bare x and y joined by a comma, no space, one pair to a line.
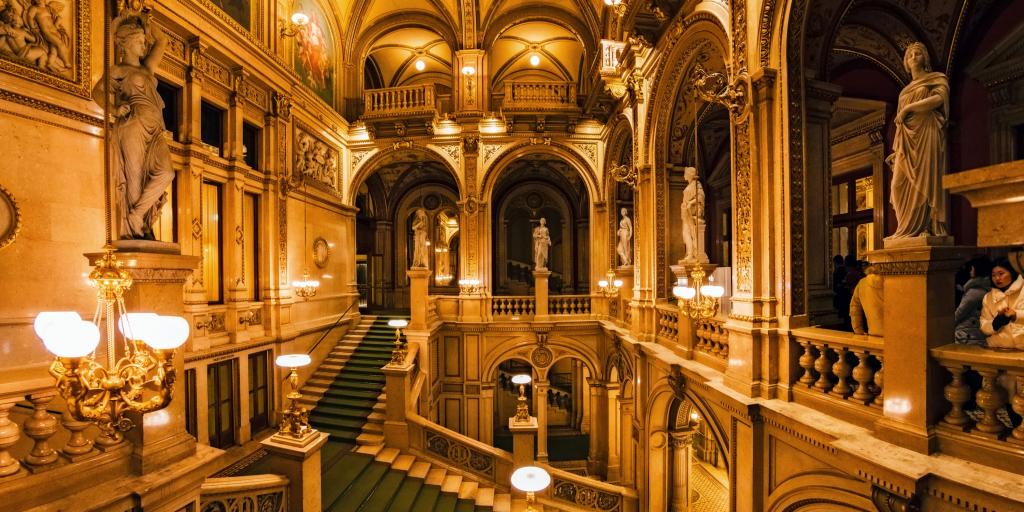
709,489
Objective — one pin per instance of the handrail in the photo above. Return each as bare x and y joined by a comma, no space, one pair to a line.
270,492
331,328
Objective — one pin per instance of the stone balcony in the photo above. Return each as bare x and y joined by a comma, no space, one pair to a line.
401,111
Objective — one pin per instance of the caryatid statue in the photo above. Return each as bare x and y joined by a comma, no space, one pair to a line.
419,239
919,159
692,214
541,243
140,158
625,246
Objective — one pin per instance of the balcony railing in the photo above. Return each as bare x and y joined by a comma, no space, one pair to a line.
523,95
668,323
841,373
712,337
513,306
569,305
409,100
263,493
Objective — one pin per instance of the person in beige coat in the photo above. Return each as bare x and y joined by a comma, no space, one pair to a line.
1002,309
867,302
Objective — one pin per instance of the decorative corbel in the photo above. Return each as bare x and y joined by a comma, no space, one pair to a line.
624,173
282,106
886,501
717,88
677,382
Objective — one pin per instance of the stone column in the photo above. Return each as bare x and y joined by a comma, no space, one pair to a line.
918,316
597,459
397,386
471,91
418,297
159,437
682,447
236,117
487,413
540,292
523,435
540,407
614,427
301,464
626,455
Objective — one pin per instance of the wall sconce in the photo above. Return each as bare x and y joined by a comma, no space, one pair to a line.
306,288
468,70
398,355
618,5
610,286
530,479
469,286
298,23
522,409
295,419
701,302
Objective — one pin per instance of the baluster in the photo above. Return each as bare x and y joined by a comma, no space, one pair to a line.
990,398
1018,406
807,363
863,374
824,367
879,380
41,426
958,393
8,438
77,447
841,369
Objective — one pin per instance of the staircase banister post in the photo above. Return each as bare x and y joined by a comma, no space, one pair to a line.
398,387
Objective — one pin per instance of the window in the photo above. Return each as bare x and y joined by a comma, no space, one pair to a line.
853,203
211,214
251,225
211,119
220,393
191,424
171,95
251,145
165,226
259,391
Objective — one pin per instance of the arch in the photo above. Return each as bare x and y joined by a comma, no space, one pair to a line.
513,349
820,490
384,157
356,54
509,155
550,13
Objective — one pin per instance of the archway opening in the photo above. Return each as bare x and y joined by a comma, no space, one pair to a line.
506,396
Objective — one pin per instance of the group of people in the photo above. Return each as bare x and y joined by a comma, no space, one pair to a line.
991,310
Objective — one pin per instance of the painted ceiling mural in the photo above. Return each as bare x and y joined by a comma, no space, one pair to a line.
314,51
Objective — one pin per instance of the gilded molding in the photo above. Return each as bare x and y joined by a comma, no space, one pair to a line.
51,108
794,77
10,233
79,82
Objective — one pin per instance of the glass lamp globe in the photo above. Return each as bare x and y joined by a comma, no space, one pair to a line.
521,379
300,19
420,65
398,323
603,283
72,339
468,70
293,360
530,479
138,326
617,283
169,334
535,60
684,292
48,319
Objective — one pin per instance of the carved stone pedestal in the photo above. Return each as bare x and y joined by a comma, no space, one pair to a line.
523,435
302,467
418,290
540,291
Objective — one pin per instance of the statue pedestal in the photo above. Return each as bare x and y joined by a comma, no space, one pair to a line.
418,288
683,269
918,316
523,435
159,437
301,464
540,292
917,241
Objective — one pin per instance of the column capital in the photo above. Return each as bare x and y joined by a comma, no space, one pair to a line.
682,438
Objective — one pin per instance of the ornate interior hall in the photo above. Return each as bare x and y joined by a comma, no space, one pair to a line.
512,255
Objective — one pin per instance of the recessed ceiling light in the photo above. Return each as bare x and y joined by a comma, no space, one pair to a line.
534,60
420,64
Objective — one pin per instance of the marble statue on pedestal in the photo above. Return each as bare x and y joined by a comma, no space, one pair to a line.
541,243
140,158
625,246
919,159
419,239
692,213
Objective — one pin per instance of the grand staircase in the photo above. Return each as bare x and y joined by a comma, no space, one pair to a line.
358,472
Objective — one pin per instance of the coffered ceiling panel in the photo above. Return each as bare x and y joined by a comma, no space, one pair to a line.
396,54
536,50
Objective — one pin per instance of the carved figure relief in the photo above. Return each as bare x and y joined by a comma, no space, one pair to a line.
419,239
692,215
541,243
625,246
315,160
39,34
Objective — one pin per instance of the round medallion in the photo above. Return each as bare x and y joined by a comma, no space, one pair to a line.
10,218
542,356
534,200
431,202
321,252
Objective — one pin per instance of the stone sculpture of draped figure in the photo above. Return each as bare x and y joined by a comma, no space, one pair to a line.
692,216
625,246
140,158
919,160
541,243
419,239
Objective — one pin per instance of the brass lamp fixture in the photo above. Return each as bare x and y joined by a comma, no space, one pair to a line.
610,286
306,288
398,355
469,286
294,419
522,409
140,381
701,301
531,480
297,24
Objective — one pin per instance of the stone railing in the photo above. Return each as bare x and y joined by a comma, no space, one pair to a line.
513,306
586,493
392,101
668,323
539,95
569,305
262,493
712,337
984,386
841,373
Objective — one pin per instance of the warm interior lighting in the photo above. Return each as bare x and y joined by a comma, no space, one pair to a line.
612,2
398,354
521,379
468,70
293,360
530,479
295,419
300,19
610,285
535,60
420,65
398,323
699,301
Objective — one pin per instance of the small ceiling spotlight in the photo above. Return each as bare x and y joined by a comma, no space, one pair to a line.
535,60
420,64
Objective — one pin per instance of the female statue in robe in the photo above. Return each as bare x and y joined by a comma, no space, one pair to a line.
692,216
541,243
918,160
140,158
419,239
625,247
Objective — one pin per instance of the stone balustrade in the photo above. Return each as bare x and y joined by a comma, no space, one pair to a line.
668,323
569,305
712,337
840,373
263,493
513,306
533,95
391,101
586,493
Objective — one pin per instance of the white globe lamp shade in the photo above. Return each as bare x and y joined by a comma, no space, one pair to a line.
293,360
468,70
521,379
535,60
170,333
684,292
48,319
716,291
300,18
617,283
420,65
398,323
72,339
603,283
530,479
138,326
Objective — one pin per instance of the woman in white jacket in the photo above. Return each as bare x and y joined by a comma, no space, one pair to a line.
1002,309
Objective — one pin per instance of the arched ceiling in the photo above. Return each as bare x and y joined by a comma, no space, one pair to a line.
688,108
396,52
559,51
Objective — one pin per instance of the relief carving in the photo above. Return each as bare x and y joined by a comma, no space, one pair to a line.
47,42
315,160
